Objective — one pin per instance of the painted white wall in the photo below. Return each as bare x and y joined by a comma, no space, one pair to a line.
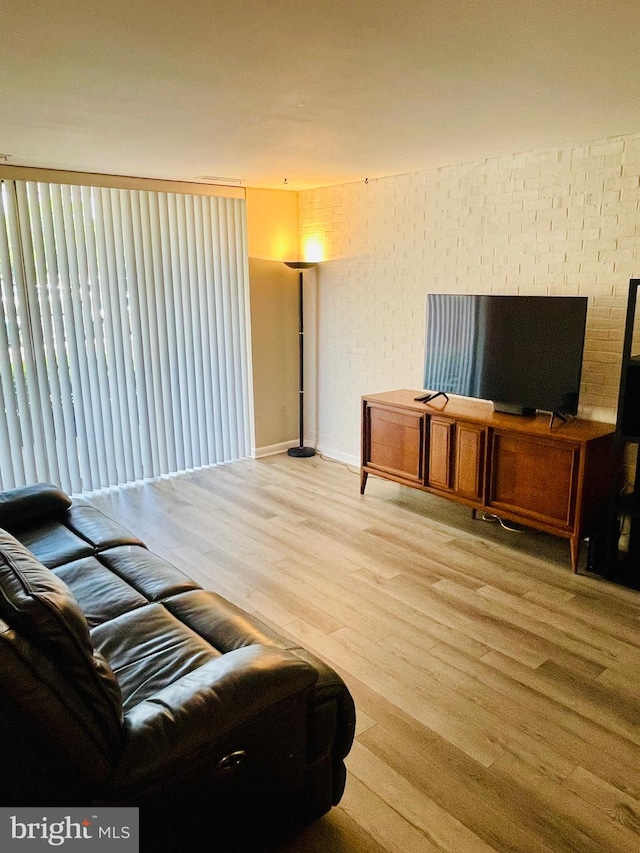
562,221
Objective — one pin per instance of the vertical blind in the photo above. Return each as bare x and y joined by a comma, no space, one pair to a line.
124,345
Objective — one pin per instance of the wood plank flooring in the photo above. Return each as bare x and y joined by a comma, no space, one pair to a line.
497,692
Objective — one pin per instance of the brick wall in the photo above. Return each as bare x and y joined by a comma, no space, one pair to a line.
560,221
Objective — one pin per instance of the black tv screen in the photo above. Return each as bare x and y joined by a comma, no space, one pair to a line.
522,352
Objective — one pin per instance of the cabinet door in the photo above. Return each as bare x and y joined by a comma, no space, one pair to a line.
394,441
441,438
535,477
456,457
469,460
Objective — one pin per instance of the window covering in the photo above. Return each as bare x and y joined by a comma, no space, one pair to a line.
124,334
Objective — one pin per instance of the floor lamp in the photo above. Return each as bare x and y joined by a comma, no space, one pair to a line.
301,451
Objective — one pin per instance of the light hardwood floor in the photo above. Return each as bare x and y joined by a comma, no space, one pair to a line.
497,693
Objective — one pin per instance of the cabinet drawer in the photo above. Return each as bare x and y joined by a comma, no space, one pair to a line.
394,442
534,477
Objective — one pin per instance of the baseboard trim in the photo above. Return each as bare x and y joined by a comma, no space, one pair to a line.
327,452
273,449
339,456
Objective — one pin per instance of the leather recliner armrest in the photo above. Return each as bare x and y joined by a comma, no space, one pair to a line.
180,724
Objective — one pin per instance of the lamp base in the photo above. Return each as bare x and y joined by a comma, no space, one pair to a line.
301,452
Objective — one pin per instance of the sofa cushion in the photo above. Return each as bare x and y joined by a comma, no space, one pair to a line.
149,574
101,531
38,604
101,594
149,649
52,543
222,623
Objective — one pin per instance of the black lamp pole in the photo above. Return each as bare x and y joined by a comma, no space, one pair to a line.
301,451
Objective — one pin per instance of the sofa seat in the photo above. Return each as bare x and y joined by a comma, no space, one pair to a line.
122,681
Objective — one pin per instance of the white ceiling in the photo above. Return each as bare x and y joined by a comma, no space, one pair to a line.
314,92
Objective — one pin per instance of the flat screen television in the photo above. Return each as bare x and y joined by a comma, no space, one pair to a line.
522,352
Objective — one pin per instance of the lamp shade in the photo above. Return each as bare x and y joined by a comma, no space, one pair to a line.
300,265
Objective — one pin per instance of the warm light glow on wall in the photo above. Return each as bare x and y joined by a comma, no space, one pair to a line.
282,246
312,249
272,224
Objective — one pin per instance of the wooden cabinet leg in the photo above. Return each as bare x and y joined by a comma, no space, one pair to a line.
575,553
363,481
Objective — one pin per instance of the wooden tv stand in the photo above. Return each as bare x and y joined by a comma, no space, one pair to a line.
553,478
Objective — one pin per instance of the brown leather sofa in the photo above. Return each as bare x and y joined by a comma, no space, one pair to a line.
123,682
